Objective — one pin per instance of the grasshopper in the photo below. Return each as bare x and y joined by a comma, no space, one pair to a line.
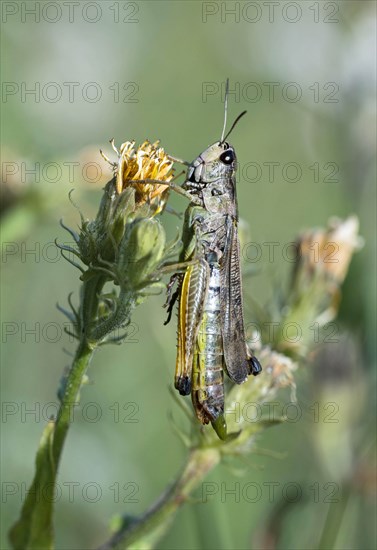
211,335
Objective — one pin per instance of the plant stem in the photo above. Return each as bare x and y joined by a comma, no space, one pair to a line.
34,528
83,355
84,352
334,520
145,532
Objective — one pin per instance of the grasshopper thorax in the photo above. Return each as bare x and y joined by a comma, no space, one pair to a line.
216,162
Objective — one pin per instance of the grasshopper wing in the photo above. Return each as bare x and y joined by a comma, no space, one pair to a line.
238,362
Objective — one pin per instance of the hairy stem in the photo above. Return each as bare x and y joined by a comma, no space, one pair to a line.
88,311
83,355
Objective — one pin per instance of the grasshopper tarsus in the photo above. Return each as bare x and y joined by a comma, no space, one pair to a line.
255,366
168,319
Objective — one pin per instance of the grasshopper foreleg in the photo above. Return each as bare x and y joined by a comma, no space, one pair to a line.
171,185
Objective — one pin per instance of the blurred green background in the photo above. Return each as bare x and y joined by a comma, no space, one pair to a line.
144,70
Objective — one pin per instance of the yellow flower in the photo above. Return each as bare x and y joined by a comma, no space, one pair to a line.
147,162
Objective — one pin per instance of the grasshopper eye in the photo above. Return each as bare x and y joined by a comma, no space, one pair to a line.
227,157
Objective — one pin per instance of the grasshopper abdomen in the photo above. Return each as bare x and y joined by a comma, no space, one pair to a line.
208,362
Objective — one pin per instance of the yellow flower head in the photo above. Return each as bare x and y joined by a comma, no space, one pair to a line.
147,162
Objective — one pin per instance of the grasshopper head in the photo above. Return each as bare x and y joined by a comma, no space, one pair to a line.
217,161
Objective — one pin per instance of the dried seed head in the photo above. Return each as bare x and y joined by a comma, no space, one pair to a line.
328,252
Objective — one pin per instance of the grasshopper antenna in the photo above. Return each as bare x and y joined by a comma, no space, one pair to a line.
223,138
233,125
225,109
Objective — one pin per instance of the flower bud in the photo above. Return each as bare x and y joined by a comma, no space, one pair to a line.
142,251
